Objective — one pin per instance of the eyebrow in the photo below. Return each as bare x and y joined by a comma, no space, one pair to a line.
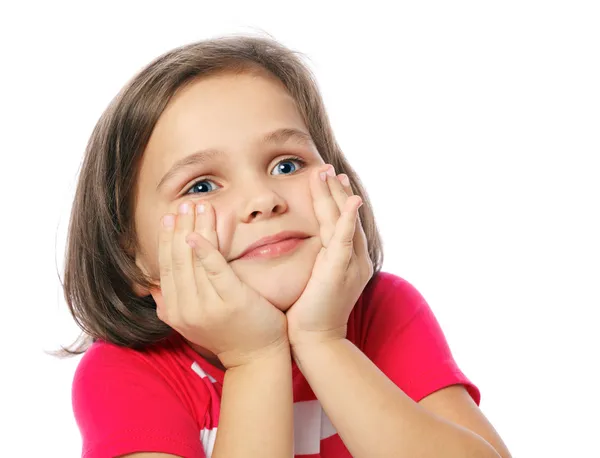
276,137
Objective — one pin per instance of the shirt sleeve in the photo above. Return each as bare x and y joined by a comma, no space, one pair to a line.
405,341
123,405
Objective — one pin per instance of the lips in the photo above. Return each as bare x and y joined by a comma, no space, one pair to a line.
273,245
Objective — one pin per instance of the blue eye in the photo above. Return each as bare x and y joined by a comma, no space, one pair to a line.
288,166
202,187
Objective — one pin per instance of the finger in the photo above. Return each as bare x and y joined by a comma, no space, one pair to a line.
205,223
182,256
360,238
167,284
219,273
205,226
326,210
342,242
337,190
345,182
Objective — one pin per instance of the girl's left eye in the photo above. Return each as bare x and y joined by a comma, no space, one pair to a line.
288,166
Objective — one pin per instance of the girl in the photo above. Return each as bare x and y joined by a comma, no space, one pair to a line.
229,287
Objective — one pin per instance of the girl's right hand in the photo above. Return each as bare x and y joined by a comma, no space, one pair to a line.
204,300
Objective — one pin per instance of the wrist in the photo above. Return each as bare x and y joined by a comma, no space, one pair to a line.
277,350
307,342
310,349
299,339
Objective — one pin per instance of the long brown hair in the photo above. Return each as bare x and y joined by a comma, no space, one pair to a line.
100,265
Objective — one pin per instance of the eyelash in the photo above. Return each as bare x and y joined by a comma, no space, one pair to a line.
297,159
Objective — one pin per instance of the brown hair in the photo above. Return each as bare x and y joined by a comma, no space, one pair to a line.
100,266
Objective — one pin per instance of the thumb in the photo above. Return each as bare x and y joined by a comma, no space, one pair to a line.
215,267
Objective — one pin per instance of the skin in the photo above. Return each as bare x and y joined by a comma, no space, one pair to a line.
233,113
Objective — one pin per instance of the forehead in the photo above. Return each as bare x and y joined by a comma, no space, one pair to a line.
230,113
224,112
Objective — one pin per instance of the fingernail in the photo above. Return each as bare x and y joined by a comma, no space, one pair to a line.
184,208
200,209
323,176
191,243
344,180
331,171
168,221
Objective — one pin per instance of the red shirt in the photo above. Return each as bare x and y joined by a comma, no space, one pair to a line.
167,397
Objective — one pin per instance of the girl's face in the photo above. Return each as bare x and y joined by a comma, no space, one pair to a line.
247,151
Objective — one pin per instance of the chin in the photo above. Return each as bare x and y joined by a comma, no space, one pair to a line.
280,281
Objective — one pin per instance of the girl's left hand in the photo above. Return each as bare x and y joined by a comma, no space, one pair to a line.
342,268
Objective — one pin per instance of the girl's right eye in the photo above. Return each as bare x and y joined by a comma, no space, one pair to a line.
203,186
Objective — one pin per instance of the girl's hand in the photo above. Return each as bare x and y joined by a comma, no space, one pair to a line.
204,300
342,268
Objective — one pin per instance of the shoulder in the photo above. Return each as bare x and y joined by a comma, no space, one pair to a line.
124,400
395,327
387,300
161,368
114,364
385,286
102,356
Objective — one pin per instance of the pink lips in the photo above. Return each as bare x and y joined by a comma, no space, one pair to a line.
273,246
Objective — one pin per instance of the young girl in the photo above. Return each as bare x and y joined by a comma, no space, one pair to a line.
229,287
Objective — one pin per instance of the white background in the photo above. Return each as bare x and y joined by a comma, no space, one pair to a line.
474,125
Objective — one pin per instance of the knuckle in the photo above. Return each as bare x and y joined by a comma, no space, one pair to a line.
165,235
346,242
165,270
188,319
214,274
177,263
211,267
180,226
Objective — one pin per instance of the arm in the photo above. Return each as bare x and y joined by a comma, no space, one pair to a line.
203,299
372,415
125,405
256,417
257,409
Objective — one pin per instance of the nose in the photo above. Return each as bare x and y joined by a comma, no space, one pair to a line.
262,202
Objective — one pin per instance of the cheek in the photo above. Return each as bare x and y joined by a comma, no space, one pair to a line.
147,255
304,203
225,219
148,226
